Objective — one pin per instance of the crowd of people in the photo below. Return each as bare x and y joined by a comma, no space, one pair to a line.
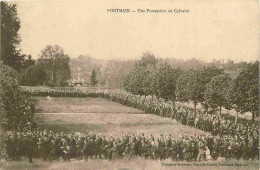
227,139
49,145
203,120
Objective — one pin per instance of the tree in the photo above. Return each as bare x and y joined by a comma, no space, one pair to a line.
204,76
34,75
230,97
139,80
188,87
93,78
49,55
147,59
126,81
134,82
28,62
62,71
194,88
149,87
246,90
199,81
191,85
56,64
182,91
10,39
165,82
216,94
16,112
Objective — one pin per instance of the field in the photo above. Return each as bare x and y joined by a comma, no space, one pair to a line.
102,116
109,118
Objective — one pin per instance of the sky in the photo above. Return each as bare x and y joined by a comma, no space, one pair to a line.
215,29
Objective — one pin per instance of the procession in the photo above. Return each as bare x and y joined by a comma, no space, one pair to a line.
50,146
227,140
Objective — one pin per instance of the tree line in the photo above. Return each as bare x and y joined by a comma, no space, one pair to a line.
208,85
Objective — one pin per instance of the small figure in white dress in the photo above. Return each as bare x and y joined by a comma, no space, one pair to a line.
207,152
49,98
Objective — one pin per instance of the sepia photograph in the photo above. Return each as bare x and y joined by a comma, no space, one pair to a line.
129,85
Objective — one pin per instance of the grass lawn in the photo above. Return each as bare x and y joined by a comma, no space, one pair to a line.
79,105
113,124
127,164
104,116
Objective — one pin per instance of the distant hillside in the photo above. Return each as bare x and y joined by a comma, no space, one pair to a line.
111,72
82,67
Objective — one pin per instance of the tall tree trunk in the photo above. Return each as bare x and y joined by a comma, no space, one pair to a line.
173,103
220,107
52,72
195,109
207,109
253,117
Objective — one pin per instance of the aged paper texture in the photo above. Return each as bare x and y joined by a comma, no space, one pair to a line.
130,84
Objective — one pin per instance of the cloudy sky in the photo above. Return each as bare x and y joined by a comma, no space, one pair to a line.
217,29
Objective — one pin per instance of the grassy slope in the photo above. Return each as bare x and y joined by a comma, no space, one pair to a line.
102,116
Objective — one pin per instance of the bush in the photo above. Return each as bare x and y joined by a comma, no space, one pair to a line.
16,111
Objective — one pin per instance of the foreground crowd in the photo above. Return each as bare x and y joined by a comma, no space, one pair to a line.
53,146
